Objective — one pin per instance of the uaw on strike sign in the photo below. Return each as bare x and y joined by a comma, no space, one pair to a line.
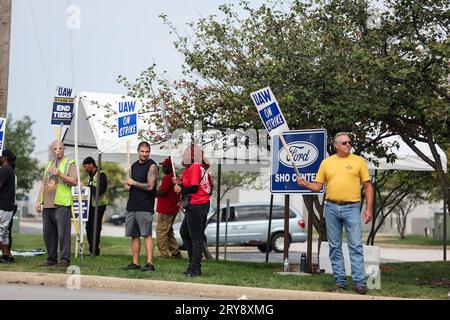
269,111
63,107
127,124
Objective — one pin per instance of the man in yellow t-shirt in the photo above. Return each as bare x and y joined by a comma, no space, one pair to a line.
343,173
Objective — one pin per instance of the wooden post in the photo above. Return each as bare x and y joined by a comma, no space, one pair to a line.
5,35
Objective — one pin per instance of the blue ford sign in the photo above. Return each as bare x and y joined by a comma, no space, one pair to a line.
308,150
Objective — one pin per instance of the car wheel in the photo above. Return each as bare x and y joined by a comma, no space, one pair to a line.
263,248
277,242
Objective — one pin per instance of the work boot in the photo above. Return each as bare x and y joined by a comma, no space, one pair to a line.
337,288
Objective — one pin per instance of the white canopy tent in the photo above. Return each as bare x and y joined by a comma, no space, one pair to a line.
96,134
407,159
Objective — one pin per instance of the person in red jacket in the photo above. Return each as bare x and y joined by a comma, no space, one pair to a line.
195,186
167,209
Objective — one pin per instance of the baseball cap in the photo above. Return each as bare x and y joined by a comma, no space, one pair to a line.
89,160
9,155
167,162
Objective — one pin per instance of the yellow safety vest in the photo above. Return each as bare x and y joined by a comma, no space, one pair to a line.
63,196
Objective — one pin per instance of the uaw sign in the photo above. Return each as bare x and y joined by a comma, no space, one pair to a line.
2,133
85,200
63,107
308,150
269,111
127,119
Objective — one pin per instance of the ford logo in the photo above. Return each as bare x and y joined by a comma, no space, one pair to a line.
303,153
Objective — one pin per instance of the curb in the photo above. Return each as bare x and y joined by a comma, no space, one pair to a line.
175,288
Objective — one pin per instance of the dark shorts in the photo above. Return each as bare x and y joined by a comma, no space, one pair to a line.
138,224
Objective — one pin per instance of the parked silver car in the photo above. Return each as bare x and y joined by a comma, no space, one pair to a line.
248,224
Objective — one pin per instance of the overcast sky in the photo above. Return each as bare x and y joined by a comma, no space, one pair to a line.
116,38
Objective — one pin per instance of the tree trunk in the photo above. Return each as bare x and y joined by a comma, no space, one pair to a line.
318,222
5,32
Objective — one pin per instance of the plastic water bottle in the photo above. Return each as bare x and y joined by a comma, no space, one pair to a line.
303,262
286,265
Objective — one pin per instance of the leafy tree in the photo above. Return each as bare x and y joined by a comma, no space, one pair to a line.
115,175
400,192
234,179
20,140
328,67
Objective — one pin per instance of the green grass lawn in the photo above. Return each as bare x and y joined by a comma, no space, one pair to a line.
410,280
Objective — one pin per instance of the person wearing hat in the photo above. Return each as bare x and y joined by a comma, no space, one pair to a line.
167,209
195,186
7,198
94,225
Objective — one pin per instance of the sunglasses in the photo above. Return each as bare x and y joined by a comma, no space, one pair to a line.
344,143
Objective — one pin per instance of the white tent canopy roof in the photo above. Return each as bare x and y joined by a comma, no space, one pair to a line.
95,136
407,159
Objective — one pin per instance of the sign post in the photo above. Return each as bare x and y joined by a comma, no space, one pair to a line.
304,149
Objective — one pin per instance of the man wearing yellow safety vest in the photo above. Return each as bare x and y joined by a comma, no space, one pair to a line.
55,201
94,225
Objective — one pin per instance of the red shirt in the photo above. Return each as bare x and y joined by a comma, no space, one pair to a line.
168,203
192,177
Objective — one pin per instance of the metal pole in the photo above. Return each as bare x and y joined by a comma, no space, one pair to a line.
269,228
219,174
97,195
374,208
227,214
286,227
445,228
5,36
310,240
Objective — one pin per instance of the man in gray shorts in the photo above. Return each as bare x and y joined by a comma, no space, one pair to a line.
140,206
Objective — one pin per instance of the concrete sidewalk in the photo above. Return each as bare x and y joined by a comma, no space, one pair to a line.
175,288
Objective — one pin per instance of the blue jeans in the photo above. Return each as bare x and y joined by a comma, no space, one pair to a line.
349,216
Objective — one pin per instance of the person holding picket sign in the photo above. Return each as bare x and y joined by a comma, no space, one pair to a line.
55,202
196,188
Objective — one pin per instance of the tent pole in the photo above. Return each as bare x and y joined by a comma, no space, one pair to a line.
79,235
219,174
445,228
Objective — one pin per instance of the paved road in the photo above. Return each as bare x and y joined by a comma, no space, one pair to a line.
33,292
